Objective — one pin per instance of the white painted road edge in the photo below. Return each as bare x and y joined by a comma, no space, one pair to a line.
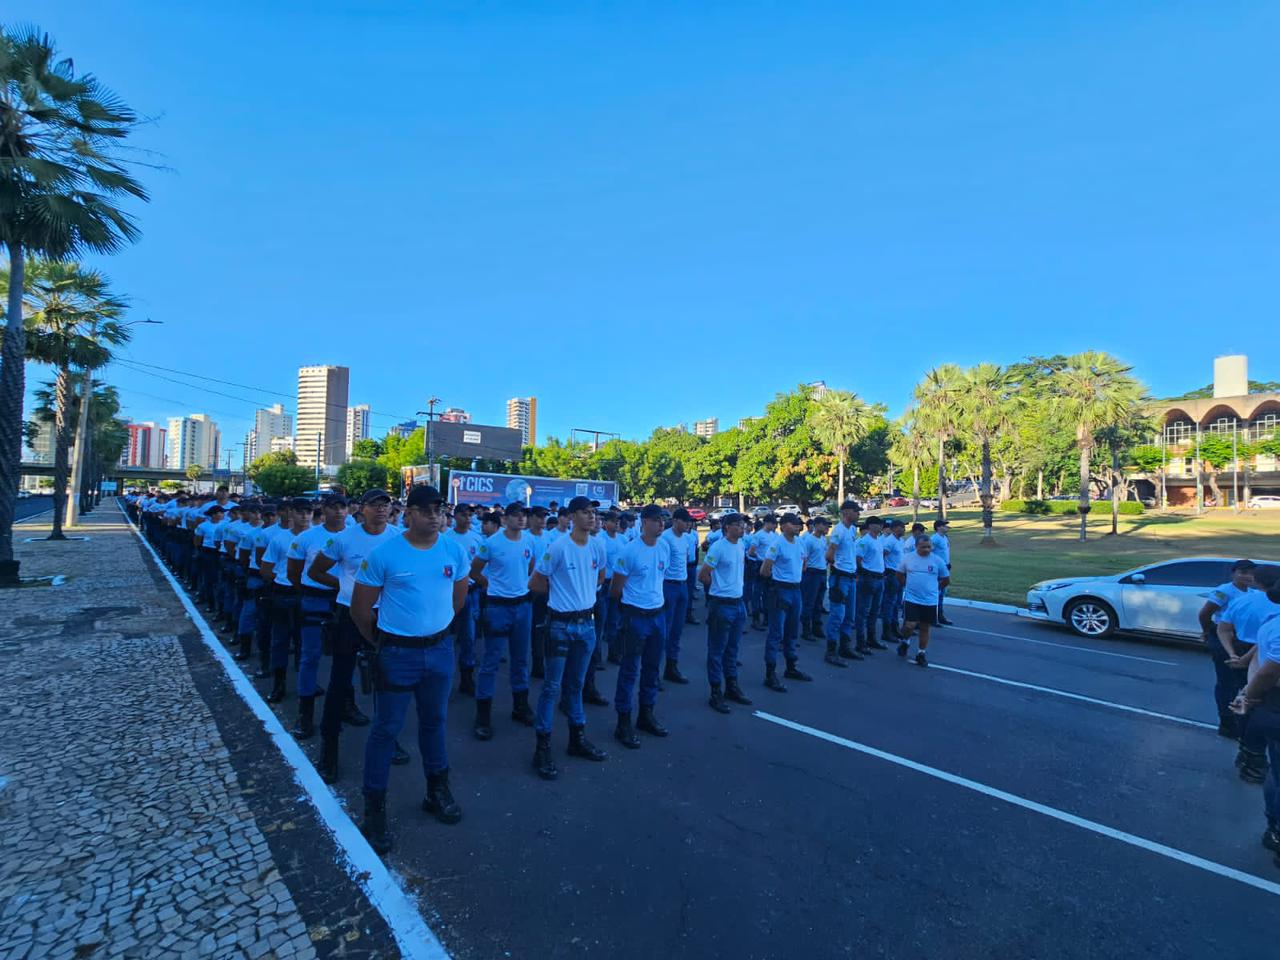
1172,853
1061,646
984,605
1076,696
415,939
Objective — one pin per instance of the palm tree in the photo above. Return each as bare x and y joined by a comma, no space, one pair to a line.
107,434
71,321
1095,392
911,451
938,400
62,178
985,407
839,420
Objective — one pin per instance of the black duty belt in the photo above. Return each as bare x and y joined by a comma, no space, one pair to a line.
410,643
640,611
507,601
323,592
573,616
726,599
785,584
873,574
837,572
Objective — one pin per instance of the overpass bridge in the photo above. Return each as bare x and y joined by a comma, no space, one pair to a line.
127,475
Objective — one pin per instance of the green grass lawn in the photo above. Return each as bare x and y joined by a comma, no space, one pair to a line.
1038,548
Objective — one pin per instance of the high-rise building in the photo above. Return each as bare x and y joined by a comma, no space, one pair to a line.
522,415
40,450
455,415
707,428
404,429
322,415
819,388
268,423
357,425
146,446
193,440
280,443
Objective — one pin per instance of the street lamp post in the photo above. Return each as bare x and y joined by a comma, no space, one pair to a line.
82,428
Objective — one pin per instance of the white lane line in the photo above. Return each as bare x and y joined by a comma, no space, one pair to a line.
415,939
1063,646
1101,829
33,517
1075,696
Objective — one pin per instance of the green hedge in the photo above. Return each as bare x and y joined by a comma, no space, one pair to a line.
1063,507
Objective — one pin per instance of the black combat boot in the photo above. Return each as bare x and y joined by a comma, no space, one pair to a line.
306,727
329,759
580,746
592,696
1252,766
793,672
734,692
521,712
483,728
246,647
439,801
647,722
717,699
624,733
277,685
352,715
672,673
542,762
832,657
374,826
467,681
846,650
771,680
399,755
615,654
872,641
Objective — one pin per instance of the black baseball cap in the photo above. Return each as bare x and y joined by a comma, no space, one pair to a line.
423,495
334,500
788,518
299,503
371,495
651,512
680,513
578,503
514,509
538,511
851,505
729,518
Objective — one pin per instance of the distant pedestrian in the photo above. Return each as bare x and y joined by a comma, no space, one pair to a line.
923,577
941,541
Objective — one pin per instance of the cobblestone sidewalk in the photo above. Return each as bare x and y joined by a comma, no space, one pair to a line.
128,825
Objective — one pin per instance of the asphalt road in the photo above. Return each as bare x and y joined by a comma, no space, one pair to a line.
996,819
32,506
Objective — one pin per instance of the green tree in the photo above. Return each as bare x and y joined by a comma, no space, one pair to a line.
62,179
985,408
938,399
1216,454
271,459
368,449
284,480
359,475
839,420
193,471
1095,391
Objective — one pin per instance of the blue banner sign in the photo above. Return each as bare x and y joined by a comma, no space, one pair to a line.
499,489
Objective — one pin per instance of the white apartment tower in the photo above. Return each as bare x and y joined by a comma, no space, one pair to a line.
322,415
357,425
522,415
707,428
193,440
268,423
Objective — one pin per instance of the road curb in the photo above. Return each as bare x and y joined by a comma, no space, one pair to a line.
992,607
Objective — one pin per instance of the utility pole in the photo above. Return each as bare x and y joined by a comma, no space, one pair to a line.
428,438
319,437
1235,465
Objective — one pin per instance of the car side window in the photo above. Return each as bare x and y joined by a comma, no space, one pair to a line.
1189,573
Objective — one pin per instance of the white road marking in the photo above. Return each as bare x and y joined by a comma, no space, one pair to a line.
1172,853
415,939
1074,696
1062,646
33,517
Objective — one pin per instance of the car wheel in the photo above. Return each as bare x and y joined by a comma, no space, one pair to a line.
1091,618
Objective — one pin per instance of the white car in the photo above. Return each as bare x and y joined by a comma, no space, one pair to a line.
788,508
1264,502
1161,598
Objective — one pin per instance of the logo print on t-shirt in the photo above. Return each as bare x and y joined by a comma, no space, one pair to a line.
448,570
526,553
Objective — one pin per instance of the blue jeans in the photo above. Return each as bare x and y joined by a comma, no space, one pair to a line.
891,602
507,628
284,622
751,585
464,629
812,585
313,611
725,620
405,674
248,623
691,578
675,597
784,622
569,648
870,591
643,640
603,601
1227,682
842,595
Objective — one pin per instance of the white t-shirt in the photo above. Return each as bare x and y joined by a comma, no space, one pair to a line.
645,568
277,552
726,561
307,546
923,574
417,584
573,573
347,549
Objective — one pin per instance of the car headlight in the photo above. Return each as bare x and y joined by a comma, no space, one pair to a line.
1045,587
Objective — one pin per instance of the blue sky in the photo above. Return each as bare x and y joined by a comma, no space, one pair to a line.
651,213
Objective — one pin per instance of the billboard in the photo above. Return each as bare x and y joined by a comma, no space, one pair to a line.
499,489
475,441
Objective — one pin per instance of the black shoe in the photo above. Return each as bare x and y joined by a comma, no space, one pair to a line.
580,746
615,656
734,692
329,759
672,673
647,722
521,712
353,716
399,755
591,696
262,673
439,801
903,647
691,620
717,700
306,727
832,657
1271,839
625,734
759,626
1252,766
277,686
875,644
1227,727
374,825
245,648
483,727
772,682
542,762
921,659
795,673
467,681
944,622
848,652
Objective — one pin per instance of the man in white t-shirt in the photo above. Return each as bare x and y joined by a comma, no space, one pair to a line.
922,577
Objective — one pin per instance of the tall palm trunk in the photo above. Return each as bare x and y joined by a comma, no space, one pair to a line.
987,535
942,478
12,390
840,488
61,448
1040,484
1085,450
1115,491
915,494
